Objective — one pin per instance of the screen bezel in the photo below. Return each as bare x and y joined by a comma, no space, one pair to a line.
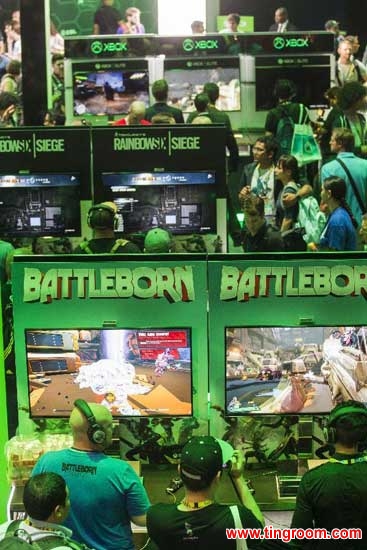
66,412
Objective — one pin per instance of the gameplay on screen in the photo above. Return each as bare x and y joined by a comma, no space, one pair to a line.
34,205
133,372
183,202
109,92
303,370
187,78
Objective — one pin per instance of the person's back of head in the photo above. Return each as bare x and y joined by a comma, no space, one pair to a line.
284,90
136,112
158,241
331,94
351,95
202,119
347,424
7,100
332,26
211,89
91,426
102,216
163,118
45,497
14,67
160,90
201,102
254,204
202,460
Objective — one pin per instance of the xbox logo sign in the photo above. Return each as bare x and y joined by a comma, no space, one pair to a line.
96,47
188,45
279,43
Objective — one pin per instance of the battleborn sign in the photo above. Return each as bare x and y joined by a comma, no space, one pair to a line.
283,281
176,284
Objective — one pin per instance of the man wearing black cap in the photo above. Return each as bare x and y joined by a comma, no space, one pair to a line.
198,520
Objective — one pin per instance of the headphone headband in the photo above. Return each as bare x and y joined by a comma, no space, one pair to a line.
346,408
102,207
95,431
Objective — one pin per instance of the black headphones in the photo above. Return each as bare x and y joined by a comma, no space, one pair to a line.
343,409
102,208
96,433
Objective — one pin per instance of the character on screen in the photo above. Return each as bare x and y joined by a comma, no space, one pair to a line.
199,516
162,362
112,377
91,479
334,495
103,220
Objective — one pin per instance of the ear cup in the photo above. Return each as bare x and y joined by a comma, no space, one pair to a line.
95,432
330,435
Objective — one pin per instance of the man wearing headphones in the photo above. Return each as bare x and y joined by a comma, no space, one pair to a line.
105,492
334,495
103,220
199,521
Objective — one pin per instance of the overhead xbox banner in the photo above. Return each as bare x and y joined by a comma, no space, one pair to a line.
75,17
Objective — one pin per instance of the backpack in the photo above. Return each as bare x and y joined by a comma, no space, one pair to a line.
310,218
296,138
117,244
18,539
284,133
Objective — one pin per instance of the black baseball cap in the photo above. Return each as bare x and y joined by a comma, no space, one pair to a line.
204,456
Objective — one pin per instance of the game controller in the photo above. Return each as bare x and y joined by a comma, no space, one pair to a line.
174,485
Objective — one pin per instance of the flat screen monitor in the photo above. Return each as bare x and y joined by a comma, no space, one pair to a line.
182,202
108,91
310,74
133,372
35,205
186,78
294,370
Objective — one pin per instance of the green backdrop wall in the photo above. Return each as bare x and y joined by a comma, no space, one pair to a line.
76,18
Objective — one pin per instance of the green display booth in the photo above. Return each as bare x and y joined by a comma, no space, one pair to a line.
226,340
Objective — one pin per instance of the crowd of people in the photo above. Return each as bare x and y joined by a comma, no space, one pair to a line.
80,497
284,185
